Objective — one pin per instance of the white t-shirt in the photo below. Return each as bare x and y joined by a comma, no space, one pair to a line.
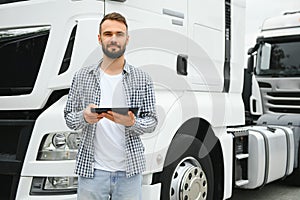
109,139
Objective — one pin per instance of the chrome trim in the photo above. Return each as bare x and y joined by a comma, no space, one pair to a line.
173,13
177,22
13,32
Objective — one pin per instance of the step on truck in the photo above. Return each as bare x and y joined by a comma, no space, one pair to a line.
193,51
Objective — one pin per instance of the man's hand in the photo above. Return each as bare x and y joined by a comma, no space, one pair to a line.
90,117
126,120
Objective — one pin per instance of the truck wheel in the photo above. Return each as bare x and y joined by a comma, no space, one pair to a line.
294,178
187,175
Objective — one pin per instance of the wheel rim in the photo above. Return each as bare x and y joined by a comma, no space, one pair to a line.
189,181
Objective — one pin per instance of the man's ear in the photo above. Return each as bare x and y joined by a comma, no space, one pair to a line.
99,39
127,39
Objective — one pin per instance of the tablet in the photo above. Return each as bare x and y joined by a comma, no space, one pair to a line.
122,110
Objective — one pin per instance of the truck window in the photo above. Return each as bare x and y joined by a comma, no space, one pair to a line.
21,54
10,1
284,60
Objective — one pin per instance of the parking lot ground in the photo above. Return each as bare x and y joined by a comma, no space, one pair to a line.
278,190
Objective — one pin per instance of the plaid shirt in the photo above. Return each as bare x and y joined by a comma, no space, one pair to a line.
85,89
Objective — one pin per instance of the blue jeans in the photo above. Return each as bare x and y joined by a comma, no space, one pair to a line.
110,185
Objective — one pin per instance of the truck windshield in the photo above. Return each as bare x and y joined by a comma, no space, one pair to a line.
284,60
21,54
10,1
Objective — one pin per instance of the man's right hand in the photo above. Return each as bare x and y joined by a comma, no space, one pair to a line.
90,117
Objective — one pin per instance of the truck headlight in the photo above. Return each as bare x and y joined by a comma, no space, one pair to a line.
60,183
59,146
54,185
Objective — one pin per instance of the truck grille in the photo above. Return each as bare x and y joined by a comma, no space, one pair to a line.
15,131
15,135
281,102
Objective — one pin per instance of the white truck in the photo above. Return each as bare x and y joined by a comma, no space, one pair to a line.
192,49
272,79
275,87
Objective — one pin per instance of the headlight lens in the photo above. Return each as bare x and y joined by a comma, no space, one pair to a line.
61,183
59,146
54,185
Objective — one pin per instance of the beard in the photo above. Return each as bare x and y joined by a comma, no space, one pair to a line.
114,53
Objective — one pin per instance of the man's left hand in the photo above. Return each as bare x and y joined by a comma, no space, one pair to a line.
126,120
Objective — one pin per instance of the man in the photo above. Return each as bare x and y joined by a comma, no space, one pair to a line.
110,158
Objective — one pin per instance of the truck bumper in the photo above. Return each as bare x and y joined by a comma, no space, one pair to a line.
150,192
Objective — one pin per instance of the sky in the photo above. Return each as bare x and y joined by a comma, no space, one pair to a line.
258,10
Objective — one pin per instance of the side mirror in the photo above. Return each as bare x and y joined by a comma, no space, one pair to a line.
250,64
251,51
265,55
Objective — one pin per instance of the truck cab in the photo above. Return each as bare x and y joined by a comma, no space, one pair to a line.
271,88
277,66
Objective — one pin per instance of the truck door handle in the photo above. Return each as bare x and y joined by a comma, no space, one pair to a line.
182,64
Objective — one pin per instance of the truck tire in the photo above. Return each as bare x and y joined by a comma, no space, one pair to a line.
294,178
188,171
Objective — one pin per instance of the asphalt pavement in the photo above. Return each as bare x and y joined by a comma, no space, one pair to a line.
279,190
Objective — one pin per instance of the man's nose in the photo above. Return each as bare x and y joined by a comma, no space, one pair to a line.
113,37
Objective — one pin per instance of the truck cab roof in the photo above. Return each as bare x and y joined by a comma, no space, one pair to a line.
287,20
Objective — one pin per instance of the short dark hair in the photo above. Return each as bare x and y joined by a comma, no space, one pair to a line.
113,16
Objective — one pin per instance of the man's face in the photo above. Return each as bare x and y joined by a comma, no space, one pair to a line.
113,38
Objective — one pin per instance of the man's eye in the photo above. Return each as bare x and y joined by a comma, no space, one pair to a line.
120,34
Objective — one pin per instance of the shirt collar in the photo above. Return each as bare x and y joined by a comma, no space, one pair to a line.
95,68
126,68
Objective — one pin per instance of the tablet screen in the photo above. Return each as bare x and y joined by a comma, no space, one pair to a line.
122,111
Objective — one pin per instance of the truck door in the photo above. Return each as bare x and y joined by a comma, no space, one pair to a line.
206,47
